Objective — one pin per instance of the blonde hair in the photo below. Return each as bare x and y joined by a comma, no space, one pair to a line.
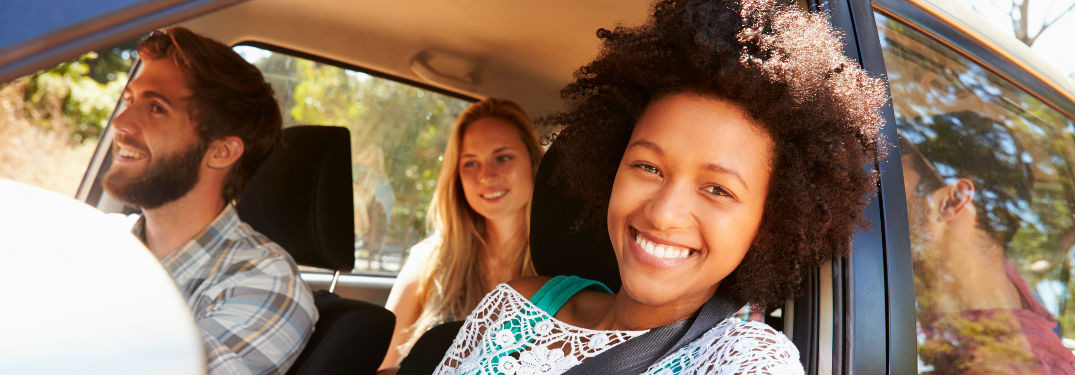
455,286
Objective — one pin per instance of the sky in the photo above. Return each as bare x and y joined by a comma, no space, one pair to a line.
1055,45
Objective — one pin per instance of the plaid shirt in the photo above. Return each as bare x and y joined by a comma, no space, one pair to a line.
254,312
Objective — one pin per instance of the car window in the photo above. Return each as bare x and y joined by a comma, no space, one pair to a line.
398,134
988,170
51,120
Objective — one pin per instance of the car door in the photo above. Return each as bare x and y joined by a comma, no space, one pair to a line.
992,128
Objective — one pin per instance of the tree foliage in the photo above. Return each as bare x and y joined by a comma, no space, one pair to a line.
78,96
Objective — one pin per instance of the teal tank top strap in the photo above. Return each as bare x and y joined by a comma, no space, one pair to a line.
555,293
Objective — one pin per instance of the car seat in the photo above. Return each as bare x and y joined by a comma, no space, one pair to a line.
556,248
301,198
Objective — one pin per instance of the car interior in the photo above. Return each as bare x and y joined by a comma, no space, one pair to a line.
525,52
347,197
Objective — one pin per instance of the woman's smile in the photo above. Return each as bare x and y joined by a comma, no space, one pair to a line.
658,253
494,195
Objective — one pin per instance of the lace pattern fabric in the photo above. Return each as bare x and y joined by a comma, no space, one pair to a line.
507,334
733,347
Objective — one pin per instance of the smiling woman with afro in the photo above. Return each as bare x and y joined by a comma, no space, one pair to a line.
724,148
786,69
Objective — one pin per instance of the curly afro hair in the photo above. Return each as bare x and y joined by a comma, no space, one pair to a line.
786,69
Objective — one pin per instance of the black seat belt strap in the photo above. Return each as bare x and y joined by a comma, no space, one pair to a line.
637,354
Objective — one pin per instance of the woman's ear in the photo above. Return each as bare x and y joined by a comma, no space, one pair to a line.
224,152
958,196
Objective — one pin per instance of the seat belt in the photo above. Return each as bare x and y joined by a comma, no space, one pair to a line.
637,354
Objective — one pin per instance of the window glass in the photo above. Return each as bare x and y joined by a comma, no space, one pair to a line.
398,135
50,121
988,171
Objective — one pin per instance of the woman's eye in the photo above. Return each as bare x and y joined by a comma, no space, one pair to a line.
469,163
718,191
156,108
647,168
503,158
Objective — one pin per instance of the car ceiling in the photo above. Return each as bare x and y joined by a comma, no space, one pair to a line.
521,50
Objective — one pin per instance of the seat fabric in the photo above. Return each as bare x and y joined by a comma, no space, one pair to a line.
301,198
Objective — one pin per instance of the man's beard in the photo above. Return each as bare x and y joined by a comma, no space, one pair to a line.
165,180
918,219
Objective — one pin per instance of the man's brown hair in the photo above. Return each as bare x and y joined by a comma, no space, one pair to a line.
230,98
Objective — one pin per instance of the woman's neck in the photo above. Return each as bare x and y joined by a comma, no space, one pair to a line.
504,236
505,239
621,312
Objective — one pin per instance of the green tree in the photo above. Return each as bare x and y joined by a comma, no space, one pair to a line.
78,96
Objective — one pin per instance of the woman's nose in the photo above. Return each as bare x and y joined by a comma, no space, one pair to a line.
669,207
489,172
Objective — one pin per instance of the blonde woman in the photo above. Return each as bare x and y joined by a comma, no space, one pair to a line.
480,216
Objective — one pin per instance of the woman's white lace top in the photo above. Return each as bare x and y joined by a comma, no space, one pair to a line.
507,334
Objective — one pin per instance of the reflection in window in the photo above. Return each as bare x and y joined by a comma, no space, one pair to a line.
398,133
988,171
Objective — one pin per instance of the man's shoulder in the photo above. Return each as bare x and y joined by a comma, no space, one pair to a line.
246,245
253,261
247,237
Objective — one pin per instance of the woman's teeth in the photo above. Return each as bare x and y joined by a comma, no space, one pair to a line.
495,195
661,251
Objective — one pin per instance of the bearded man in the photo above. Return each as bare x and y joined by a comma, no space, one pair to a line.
196,122
975,313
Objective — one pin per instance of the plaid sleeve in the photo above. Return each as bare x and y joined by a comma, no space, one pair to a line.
257,318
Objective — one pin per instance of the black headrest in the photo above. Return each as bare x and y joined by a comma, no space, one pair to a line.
555,247
301,197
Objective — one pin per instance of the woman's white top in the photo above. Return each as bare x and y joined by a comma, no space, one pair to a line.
508,334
